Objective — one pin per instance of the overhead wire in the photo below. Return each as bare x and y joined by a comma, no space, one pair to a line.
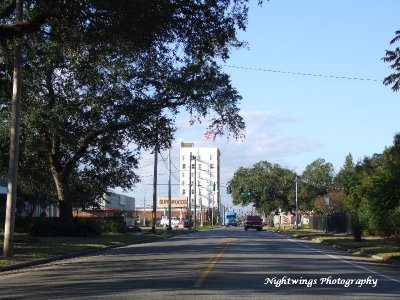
166,165
302,74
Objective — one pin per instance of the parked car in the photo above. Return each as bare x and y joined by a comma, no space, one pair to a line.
165,221
253,222
187,223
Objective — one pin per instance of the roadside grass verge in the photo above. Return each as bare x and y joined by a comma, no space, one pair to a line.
28,248
384,248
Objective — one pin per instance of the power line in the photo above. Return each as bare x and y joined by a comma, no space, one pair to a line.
302,74
166,165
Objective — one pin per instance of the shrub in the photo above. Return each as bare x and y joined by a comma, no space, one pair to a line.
22,224
60,227
113,224
356,228
394,222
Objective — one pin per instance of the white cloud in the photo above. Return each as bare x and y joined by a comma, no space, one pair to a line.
264,140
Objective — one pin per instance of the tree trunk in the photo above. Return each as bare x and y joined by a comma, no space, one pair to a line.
64,201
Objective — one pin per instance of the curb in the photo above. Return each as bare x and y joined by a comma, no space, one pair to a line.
43,261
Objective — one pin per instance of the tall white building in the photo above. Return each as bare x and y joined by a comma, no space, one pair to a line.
200,176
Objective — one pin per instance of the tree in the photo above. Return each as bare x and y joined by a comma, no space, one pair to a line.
14,139
315,181
39,12
271,187
99,79
393,57
374,196
343,179
336,203
384,197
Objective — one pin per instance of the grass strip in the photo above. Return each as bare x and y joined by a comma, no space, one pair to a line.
27,248
382,247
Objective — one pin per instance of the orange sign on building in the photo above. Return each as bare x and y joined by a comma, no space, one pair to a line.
176,202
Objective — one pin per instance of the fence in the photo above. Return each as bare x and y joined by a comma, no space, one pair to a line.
337,222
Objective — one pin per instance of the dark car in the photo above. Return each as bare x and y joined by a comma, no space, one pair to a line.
253,222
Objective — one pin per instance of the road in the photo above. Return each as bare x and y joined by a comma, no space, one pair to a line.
217,264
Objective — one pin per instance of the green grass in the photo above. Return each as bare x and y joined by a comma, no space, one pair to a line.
27,248
382,247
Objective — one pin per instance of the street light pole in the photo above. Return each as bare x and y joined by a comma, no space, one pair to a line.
297,212
195,192
169,190
190,191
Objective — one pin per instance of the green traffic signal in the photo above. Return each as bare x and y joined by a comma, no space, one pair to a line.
249,192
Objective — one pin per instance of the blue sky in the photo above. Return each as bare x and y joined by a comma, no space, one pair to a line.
294,119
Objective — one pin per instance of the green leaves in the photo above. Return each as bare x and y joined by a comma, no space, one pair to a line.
393,57
106,79
266,186
374,194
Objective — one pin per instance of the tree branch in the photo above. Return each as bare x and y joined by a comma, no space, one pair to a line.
7,11
9,31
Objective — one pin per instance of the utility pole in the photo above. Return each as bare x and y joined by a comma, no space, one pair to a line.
8,248
169,189
154,214
144,209
297,211
190,190
211,196
195,188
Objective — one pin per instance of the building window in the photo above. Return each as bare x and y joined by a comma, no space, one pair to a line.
183,183
192,166
183,192
183,174
183,157
199,166
211,166
211,157
183,166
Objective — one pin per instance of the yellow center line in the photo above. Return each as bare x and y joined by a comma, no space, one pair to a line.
212,263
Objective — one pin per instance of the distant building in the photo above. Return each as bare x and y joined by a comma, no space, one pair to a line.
200,177
116,202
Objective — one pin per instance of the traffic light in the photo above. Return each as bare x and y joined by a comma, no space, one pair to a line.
241,191
228,189
249,192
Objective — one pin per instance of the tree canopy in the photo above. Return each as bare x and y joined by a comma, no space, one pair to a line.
393,57
267,186
105,79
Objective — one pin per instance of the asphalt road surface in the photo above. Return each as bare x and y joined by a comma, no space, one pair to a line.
217,264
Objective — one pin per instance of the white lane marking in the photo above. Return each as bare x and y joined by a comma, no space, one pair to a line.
342,260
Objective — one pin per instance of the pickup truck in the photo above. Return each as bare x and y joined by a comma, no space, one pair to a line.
165,221
253,222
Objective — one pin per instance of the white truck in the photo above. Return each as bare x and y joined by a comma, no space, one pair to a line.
165,221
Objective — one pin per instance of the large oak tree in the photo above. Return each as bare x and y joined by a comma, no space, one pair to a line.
105,79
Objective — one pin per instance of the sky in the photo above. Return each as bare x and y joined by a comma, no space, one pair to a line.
294,119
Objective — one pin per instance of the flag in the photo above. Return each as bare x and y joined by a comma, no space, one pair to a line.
209,134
